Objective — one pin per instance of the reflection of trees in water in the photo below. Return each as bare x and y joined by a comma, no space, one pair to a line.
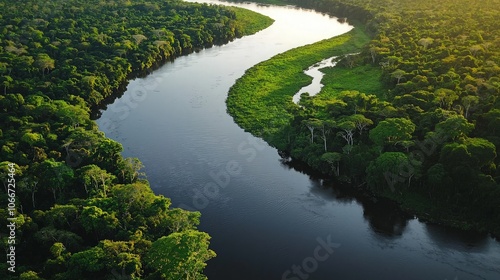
385,217
289,163
450,238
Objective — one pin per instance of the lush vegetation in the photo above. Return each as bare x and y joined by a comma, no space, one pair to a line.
83,211
415,116
249,22
261,101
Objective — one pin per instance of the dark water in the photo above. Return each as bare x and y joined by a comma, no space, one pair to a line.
267,220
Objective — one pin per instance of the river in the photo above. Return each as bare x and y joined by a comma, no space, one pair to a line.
269,220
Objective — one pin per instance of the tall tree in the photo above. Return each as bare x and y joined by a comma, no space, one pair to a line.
347,128
398,74
454,127
312,124
44,62
390,169
180,255
361,122
325,128
392,131
333,159
425,42
469,102
445,97
56,176
6,82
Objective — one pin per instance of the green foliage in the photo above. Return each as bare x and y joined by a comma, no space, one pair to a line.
57,249
181,255
87,262
46,236
392,131
472,152
55,176
97,179
454,127
33,139
29,275
362,78
387,170
250,22
62,216
333,159
96,221
121,256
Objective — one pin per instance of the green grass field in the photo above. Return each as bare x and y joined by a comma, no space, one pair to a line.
364,78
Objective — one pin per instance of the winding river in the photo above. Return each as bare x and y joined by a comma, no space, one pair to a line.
269,219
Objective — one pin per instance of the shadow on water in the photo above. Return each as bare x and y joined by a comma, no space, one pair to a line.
450,238
385,217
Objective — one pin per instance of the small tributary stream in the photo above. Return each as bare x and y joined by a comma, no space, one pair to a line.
314,71
267,218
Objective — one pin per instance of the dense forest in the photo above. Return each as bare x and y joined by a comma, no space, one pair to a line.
81,210
413,115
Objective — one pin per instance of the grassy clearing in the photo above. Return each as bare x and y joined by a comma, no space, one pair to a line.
251,22
364,78
261,100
